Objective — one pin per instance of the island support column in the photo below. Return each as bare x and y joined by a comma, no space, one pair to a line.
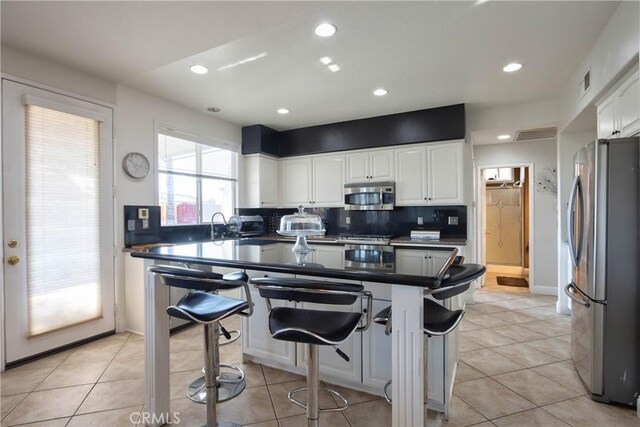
156,350
407,359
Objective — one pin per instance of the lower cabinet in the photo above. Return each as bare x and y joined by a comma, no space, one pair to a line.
369,367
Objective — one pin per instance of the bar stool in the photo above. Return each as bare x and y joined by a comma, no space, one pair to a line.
232,382
438,320
314,327
208,309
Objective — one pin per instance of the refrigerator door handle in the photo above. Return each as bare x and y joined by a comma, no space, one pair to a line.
574,296
571,218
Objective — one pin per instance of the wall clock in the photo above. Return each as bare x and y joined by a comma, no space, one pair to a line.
136,165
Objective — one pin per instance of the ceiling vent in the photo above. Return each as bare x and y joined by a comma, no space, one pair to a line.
540,133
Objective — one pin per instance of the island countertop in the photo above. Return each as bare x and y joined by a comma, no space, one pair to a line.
245,254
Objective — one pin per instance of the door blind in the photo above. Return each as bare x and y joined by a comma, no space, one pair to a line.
63,219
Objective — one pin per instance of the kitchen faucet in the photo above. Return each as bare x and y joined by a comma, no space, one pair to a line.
224,221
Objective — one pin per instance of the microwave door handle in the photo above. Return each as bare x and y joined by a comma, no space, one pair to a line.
570,220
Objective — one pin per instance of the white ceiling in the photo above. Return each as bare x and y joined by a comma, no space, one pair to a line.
427,54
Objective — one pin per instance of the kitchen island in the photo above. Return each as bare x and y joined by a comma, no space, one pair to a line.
404,284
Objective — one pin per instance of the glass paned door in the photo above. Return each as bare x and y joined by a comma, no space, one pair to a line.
58,216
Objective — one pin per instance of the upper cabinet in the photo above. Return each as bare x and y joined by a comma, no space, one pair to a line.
619,113
313,181
429,174
260,186
370,166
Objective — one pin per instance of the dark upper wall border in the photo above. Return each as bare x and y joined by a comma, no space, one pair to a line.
434,124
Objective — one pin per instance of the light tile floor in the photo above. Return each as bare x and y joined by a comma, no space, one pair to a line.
514,370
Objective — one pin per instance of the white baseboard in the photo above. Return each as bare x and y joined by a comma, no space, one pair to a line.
543,290
506,269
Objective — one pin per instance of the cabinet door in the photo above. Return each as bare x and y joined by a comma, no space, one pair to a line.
330,362
411,165
295,182
256,338
629,106
376,352
445,174
268,182
329,256
410,262
357,167
607,118
328,181
381,166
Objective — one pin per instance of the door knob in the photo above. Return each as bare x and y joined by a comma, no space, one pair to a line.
13,260
12,243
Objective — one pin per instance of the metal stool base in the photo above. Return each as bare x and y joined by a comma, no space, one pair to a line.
235,336
344,406
230,384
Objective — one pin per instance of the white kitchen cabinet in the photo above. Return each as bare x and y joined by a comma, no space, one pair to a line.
328,181
619,114
256,338
261,182
376,351
296,182
445,173
370,166
329,255
312,181
429,174
411,176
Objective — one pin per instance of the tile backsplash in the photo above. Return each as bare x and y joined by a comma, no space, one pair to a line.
398,222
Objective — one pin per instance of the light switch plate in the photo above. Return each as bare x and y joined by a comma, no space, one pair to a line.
348,220
420,220
131,225
453,220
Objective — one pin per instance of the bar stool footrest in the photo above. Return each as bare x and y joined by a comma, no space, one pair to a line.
230,385
235,335
344,406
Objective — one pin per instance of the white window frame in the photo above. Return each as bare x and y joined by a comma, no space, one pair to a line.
175,132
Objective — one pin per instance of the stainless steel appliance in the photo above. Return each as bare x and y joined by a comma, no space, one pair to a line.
369,196
603,232
252,225
365,239
369,257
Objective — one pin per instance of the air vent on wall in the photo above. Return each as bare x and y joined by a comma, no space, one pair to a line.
540,133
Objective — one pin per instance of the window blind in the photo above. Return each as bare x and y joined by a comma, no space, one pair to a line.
63,219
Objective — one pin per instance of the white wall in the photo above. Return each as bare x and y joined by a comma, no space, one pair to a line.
612,53
541,154
50,73
136,116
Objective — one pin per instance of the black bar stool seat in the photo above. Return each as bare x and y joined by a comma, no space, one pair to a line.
205,307
312,326
437,319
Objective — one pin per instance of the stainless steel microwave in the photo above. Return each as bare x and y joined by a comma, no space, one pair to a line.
370,196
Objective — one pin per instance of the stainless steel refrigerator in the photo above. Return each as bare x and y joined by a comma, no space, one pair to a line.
604,235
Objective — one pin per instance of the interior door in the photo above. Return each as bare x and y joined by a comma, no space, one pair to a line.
57,219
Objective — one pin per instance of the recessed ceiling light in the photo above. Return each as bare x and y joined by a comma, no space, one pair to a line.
213,109
283,111
510,68
326,60
199,69
334,67
326,30
503,137
380,92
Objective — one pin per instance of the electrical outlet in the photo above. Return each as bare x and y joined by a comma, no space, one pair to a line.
452,220
348,220
420,220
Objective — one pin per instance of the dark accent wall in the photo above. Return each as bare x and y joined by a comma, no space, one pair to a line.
430,125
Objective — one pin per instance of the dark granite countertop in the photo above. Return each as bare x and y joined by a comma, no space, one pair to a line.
268,255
